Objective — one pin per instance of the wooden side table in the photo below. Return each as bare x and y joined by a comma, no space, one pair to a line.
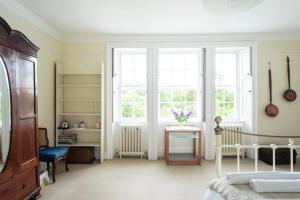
183,132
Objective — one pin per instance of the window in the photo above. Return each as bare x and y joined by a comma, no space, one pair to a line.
231,67
180,76
131,68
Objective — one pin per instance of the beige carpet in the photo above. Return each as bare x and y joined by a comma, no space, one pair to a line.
134,179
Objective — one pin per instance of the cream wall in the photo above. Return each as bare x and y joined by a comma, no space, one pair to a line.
287,122
50,51
83,57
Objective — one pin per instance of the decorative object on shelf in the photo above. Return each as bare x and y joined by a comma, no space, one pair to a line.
289,94
82,124
98,123
271,110
75,125
64,125
182,117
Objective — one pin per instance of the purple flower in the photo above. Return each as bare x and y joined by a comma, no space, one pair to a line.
174,112
189,114
181,113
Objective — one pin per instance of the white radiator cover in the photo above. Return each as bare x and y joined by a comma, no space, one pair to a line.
231,138
131,140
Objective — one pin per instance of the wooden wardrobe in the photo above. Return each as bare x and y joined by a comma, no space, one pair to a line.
19,179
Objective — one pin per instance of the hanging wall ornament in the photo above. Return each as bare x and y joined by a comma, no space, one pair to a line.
271,110
289,94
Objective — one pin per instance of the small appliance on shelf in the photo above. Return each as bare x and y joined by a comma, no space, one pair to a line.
64,125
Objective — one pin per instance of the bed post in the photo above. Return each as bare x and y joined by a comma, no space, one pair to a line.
218,133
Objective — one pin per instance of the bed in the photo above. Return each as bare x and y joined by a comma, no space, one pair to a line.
256,184
221,189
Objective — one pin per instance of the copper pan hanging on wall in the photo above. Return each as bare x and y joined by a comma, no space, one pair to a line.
289,94
271,110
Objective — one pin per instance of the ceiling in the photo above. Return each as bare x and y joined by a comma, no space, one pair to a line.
82,17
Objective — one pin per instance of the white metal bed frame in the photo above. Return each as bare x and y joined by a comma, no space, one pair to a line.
219,146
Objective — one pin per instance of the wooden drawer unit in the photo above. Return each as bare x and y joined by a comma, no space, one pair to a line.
25,183
81,155
6,191
18,62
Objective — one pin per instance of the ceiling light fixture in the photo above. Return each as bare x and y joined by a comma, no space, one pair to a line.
226,7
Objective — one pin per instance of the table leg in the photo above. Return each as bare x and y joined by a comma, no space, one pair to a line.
194,145
199,146
167,146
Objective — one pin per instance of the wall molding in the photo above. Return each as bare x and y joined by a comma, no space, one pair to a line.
209,38
28,15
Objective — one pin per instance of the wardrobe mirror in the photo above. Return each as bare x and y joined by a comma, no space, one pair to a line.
5,115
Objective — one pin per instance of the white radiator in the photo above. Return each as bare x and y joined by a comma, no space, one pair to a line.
231,138
131,141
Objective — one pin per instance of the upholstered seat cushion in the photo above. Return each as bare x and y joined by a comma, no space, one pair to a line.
53,152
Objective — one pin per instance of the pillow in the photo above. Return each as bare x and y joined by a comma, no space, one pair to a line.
245,177
275,185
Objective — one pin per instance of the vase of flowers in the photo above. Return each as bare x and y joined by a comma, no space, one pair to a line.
182,117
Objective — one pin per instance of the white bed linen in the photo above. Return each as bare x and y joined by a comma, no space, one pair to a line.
275,185
244,192
245,177
212,195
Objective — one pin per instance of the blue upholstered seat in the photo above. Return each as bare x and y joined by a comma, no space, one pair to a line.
53,152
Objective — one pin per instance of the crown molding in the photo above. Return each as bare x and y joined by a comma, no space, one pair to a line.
182,37
28,15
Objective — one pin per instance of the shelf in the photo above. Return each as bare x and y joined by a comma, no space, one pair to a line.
73,74
79,114
78,85
80,100
81,130
82,144
184,136
182,156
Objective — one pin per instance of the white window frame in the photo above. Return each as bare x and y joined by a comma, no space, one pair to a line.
209,43
199,86
118,100
237,101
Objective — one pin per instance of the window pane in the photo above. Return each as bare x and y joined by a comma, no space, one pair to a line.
191,62
127,62
165,62
165,95
140,62
191,95
126,110
192,107
133,102
139,110
226,69
178,95
127,78
132,66
178,106
139,78
178,62
165,110
225,98
179,80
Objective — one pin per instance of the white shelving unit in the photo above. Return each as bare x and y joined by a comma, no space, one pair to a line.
79,97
